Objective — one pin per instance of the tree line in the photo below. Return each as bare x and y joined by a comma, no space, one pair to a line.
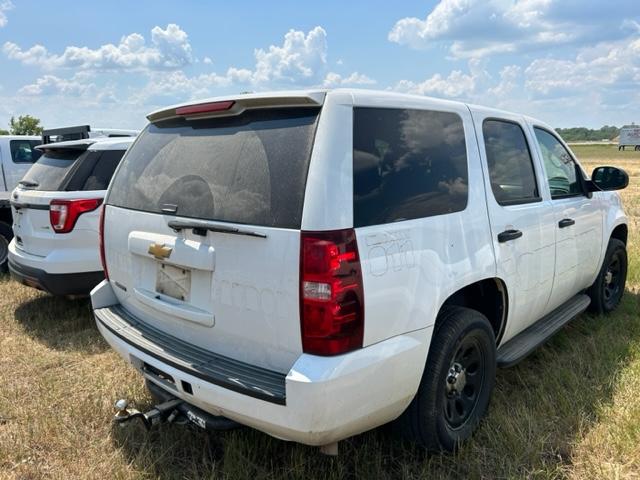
581,134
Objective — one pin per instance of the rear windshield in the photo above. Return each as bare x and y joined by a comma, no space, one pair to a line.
244,169
51,169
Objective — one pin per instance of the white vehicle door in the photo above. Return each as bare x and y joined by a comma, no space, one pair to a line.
522,221
578,219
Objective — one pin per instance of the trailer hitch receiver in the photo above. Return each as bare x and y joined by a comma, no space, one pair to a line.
164,412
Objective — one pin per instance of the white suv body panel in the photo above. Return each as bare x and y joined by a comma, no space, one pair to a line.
55,253
409,269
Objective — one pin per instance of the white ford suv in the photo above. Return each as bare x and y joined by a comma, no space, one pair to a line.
56,215
315,264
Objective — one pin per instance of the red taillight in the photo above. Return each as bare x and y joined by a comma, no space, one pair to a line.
205,108
103,259
331,293
63,214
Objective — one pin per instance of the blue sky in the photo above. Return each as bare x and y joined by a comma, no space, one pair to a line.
569,62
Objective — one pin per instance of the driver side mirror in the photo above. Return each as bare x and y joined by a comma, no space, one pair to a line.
609,178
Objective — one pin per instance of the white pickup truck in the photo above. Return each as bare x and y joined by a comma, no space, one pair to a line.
17,154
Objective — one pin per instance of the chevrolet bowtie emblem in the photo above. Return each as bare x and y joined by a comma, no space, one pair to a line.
160,251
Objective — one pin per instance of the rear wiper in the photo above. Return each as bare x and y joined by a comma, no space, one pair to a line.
200,227
28,183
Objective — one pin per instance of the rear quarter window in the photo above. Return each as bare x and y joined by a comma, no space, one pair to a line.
248,169
407,164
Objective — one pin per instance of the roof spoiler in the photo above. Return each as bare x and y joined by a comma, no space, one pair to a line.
236,106
64,134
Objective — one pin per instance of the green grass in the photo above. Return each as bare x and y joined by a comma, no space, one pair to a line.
604,152
570,410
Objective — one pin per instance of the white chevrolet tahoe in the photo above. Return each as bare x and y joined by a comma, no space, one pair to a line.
56,215
315,264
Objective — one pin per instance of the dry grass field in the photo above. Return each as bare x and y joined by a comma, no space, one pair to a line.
571,410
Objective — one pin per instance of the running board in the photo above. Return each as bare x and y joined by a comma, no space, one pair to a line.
528,340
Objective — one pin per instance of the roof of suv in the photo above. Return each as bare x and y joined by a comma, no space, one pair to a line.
310,97
99,143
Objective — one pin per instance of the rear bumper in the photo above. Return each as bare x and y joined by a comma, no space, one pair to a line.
324,399
55,283
70,257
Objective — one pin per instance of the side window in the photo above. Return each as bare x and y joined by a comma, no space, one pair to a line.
560,168
103,169
23,151
407,164
513,179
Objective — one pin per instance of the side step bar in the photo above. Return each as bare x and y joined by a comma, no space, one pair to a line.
528,340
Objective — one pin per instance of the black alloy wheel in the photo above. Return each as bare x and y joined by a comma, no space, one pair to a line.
465,380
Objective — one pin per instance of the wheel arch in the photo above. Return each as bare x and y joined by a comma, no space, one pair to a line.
489,297
620,232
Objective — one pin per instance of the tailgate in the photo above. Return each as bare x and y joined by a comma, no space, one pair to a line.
235,295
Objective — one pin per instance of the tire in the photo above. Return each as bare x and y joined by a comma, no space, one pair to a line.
433,419
606,292
6,234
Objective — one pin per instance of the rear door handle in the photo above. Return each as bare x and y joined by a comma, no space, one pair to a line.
509,235
566,222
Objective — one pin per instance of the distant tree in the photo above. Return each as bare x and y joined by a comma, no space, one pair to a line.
581,134
25,125
4,132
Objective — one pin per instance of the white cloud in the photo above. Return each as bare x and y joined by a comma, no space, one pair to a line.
53,85
176,86
169,49
603,66
207,61
509,81
456,84
476,28
336,80
301,61
5,6
301,58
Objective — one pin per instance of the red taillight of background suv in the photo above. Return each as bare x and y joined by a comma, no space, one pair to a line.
331,293
63,214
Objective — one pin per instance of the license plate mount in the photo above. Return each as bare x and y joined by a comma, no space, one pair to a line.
174,282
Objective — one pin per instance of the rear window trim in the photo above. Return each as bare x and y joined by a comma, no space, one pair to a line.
319,108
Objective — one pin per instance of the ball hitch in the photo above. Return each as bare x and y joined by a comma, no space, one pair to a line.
164,412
